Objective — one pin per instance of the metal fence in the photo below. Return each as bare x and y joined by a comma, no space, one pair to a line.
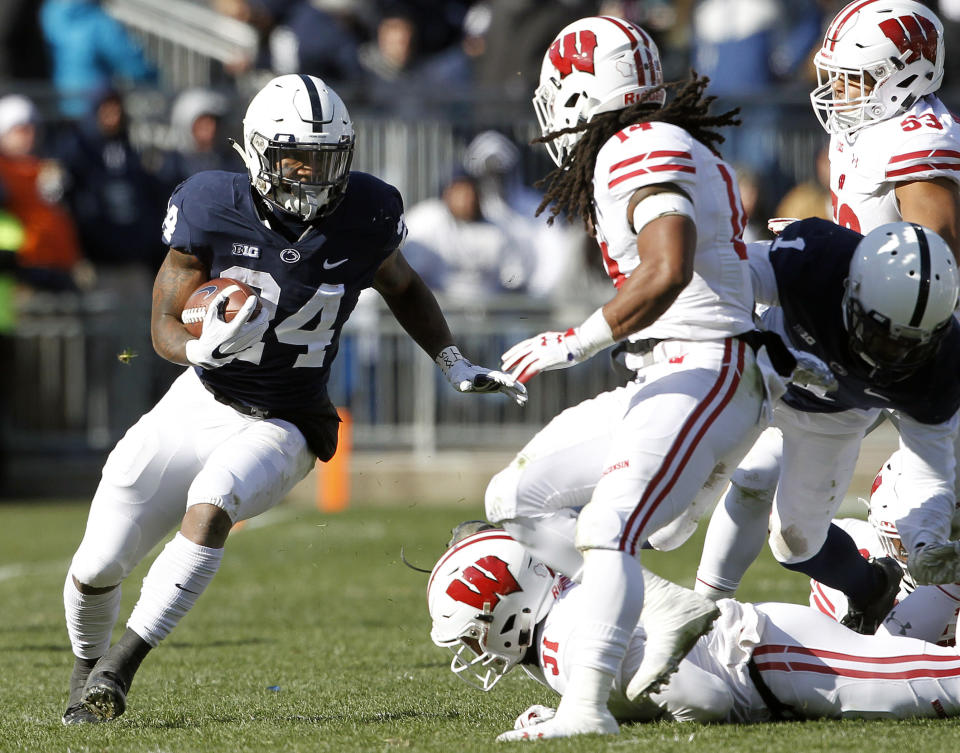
83,370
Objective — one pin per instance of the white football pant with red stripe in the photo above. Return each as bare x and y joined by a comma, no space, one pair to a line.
639,455
822,669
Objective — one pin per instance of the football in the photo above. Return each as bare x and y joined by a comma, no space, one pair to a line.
195,308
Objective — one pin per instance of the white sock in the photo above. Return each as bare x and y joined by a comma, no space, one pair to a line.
736,535
176,579
90,619
613,587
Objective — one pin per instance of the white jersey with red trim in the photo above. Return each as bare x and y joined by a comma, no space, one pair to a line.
718,302
921,144
930,613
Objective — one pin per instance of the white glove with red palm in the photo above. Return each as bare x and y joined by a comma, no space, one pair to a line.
557,350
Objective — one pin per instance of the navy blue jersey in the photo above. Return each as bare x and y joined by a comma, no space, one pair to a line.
811,260
308,286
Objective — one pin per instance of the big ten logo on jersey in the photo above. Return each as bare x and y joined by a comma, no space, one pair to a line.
573,51
483,583
245,249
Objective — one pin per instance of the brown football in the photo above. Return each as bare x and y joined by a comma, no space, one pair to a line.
195,308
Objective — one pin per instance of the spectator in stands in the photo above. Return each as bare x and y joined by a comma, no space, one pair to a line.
117,204
196,120
511,59
747,48
396,76
548,253
31,192
753,198
457,251
89,50
812,197
321,38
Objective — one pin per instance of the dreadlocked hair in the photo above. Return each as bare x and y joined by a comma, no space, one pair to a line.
569,188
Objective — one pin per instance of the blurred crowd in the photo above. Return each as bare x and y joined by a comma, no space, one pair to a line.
81,203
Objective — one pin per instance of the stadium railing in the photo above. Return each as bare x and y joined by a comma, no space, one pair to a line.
83,371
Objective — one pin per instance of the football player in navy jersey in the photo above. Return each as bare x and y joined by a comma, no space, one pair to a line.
879,310
251,415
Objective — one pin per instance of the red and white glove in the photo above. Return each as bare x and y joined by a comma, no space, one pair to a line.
221,341
557,350
777,225
536,714
467,377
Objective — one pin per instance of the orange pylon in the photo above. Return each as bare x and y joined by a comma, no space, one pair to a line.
333,477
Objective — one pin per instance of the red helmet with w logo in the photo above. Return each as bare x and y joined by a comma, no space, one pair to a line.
594,65
877,59
486,596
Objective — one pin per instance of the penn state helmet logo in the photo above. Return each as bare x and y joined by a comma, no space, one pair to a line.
290,255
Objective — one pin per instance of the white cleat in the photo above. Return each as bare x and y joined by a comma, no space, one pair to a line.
565,725
674,619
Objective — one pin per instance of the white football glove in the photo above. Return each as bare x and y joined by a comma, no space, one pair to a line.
810,371
221,341
935,563
776,225
544,352
557,350
536,714
466,377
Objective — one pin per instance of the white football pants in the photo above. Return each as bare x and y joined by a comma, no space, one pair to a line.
609,472
189,449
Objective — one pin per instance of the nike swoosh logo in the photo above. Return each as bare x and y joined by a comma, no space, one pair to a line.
195,593
328,265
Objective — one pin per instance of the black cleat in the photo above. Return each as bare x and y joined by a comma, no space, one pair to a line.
868,617
105,696
78,714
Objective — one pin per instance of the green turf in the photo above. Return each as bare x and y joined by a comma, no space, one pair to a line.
313,637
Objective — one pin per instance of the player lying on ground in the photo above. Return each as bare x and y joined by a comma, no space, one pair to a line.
496,607
925,612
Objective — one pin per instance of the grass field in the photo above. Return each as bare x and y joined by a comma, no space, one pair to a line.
314,637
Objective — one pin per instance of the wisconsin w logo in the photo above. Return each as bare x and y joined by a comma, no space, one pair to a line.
914,33
565,56
488,580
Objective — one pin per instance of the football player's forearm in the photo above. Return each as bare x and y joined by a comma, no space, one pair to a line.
417,311
170,339
179,275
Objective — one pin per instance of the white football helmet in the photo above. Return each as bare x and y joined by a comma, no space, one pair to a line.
486,596
899,299
895,45
597,64
881,514
298,145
